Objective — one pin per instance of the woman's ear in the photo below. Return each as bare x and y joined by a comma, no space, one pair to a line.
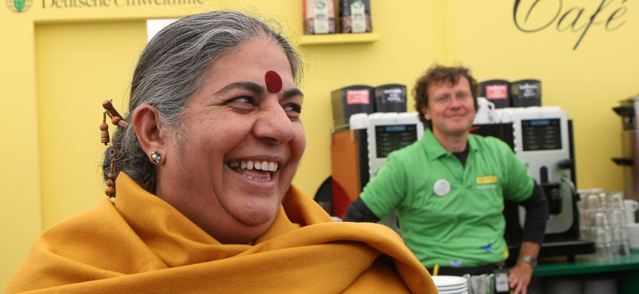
148,128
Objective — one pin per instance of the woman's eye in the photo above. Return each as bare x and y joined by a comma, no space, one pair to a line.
242,104
242,100
293,107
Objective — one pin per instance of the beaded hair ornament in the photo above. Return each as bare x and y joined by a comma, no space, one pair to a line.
118,120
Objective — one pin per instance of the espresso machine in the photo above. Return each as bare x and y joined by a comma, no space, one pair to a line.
628,110
542,138
358,153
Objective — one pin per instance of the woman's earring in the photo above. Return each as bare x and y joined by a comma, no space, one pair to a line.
156,157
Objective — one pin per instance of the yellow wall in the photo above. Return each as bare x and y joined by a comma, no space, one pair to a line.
586,82
58,65
70,95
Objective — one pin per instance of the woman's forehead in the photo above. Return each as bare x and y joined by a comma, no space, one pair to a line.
259,61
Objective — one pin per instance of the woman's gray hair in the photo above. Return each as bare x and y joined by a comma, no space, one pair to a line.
172,69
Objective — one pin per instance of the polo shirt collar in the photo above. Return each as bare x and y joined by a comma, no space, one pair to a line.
473,143
435,150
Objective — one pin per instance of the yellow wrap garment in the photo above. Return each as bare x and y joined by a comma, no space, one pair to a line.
141,244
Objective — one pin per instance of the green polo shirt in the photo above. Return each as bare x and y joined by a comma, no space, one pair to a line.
449,214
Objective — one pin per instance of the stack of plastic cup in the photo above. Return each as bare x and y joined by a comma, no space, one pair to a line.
617,222
603,221
583,217
602,236
591,206
587,211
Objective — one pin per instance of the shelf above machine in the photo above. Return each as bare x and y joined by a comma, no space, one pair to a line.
309,40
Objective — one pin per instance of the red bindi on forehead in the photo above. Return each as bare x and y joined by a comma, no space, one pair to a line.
273,81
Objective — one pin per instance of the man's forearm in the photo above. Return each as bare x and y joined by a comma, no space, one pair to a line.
529,249
359,212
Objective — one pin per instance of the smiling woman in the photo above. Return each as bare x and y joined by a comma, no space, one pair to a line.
203,164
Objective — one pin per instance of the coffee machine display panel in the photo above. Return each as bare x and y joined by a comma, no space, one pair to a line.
393,137
541,134
388,132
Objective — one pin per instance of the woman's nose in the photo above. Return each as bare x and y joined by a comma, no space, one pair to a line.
273,123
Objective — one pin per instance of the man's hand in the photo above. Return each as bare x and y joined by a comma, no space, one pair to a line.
519,277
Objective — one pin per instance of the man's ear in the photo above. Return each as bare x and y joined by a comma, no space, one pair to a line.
148,128
426,113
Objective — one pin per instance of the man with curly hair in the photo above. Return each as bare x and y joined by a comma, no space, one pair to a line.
449,187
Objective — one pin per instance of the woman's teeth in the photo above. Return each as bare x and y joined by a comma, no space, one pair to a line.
262,169
258,165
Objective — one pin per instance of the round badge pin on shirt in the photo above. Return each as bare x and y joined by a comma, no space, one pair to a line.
442,188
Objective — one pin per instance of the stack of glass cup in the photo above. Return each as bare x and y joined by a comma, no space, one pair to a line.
603,221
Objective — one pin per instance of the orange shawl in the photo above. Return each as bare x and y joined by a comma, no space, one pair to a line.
143,245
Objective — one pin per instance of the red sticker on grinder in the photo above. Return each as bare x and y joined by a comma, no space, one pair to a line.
273,82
